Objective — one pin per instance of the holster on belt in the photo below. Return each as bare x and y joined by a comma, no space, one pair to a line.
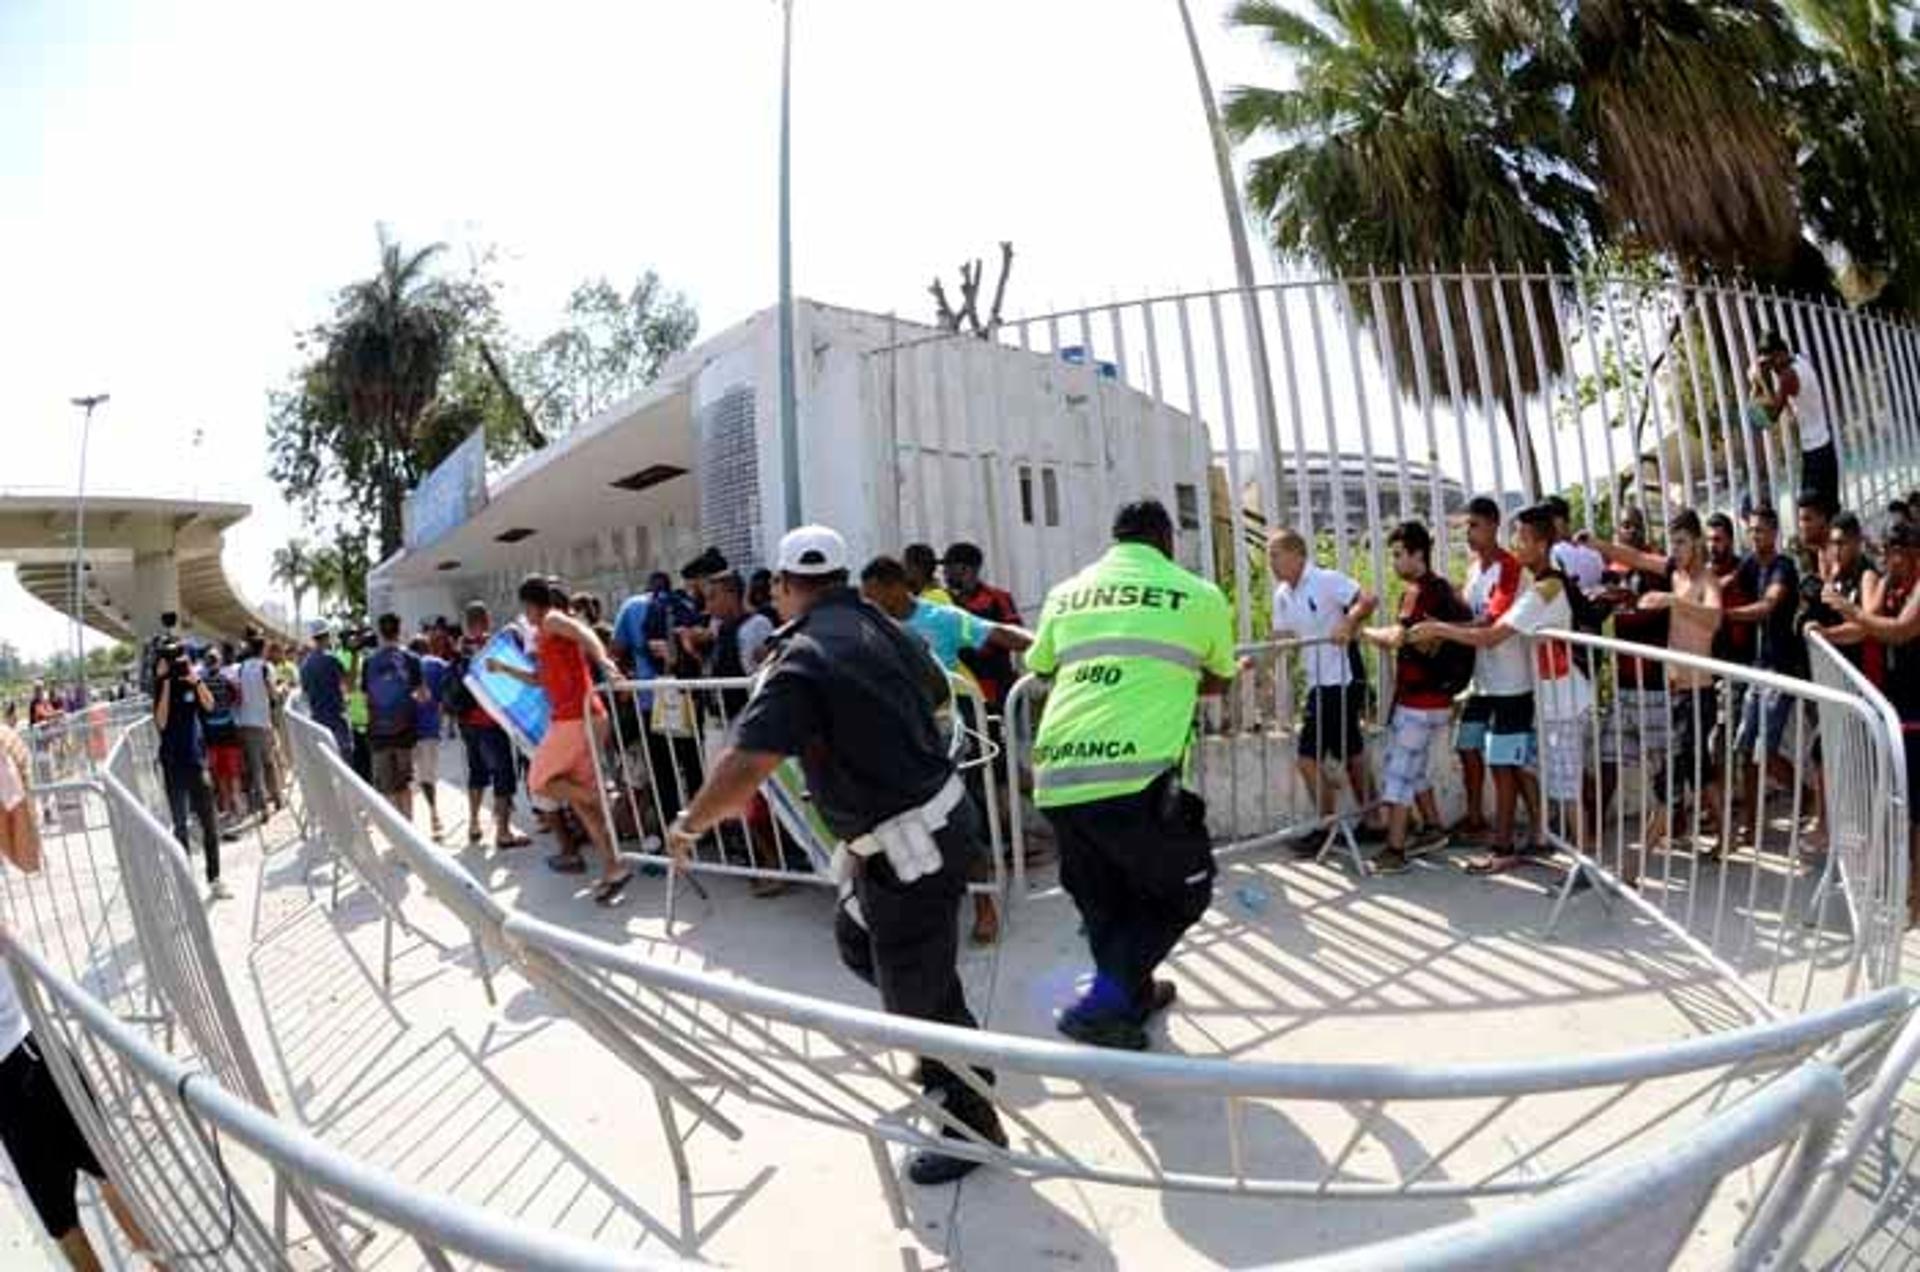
905,839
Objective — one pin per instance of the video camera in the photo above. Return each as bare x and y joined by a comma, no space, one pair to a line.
171,656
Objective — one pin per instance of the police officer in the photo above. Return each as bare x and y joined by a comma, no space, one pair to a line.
853,695
1129,643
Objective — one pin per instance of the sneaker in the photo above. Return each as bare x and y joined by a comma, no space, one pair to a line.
218,891
930,1169
1306,845
567,863
1431,839
1112,1032
1389,861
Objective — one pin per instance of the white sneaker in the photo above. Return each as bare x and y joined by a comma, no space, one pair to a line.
217,891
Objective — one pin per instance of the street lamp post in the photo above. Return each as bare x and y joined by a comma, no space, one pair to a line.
789,400
86,405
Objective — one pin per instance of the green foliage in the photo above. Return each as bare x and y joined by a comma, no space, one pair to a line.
415,358
293,570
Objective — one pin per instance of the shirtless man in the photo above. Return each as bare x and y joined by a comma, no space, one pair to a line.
1693,606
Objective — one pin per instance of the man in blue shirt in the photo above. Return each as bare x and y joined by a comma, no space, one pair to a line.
323,680
645,627
181,701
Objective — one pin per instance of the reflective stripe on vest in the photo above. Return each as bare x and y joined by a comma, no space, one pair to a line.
1051,778
1130,647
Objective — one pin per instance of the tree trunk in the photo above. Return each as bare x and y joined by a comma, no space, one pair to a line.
1530,477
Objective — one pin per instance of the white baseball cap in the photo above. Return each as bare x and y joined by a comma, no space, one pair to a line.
319,627
811,550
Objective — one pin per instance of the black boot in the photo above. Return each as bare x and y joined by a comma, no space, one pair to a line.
967,1106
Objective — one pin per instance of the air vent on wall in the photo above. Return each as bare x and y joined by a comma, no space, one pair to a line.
651,475
514,535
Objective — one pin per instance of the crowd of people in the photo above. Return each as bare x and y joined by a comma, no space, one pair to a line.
1531,728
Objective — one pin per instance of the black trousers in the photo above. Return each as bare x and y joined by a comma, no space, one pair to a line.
40,1135
1820,472
1140,869
910,943
189,789
675,760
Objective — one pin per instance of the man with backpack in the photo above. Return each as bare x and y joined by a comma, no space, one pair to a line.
394,685
1426,676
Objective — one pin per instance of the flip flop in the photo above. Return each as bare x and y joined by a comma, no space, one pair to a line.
512,841
1493,863
609,892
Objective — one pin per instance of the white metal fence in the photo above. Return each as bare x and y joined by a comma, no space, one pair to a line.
1391,396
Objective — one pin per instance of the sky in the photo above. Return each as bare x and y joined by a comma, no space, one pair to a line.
184,185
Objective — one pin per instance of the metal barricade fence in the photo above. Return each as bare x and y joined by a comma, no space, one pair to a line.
1643,1215
352,812
337,825
1645,771
193,1161
177,947
661,736
74,908
1481,1131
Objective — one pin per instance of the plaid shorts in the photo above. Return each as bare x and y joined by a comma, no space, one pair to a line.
1635,726
1410,737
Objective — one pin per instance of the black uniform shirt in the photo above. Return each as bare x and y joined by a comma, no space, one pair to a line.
853,696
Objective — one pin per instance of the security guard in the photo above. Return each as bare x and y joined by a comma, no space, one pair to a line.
1129,643
853,695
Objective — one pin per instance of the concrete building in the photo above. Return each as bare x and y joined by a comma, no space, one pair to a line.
905,434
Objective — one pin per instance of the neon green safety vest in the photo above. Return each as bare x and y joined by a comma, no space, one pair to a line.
1125,641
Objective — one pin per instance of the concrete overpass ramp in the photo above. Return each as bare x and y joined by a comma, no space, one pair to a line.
143,557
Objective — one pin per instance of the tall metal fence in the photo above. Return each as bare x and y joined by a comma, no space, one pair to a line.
1389,396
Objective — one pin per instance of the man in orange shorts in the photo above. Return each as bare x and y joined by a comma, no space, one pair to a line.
563,767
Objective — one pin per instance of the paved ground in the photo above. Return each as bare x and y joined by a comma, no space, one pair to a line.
515,1108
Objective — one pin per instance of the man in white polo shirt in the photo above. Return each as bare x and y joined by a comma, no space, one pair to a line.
1325,607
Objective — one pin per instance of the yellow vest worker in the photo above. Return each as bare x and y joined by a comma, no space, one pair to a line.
1130,643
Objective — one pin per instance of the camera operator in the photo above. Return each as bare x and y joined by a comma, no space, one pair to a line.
181,701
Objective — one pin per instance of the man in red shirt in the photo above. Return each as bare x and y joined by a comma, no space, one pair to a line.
992,667
1422,700
563,764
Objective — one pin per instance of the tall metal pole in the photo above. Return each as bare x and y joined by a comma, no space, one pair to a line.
789,401
86,405
1243,274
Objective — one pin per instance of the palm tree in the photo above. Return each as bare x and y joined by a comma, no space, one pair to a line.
1857,125
1415,137
394,337
1679,126
324,576
293,570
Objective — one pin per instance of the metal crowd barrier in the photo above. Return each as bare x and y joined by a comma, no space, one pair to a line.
661,736
75,744
337,824
1485,1130
347,810
1642,1215
1643,791
192,1159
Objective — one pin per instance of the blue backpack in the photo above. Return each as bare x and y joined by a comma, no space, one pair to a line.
390,692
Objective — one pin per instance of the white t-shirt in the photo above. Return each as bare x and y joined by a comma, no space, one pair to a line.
1809,407
13,1017
1561,690
1308,610
1501,670
1580,563
253,711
